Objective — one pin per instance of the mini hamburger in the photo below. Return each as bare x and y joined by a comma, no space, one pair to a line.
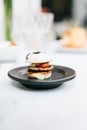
40,67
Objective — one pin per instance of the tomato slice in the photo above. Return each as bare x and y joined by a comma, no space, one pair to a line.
43,65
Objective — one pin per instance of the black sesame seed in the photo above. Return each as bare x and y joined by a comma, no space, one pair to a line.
37,52
27,56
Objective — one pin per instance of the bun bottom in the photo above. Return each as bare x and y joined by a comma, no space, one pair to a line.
40,75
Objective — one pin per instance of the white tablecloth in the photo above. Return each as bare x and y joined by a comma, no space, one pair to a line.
62,108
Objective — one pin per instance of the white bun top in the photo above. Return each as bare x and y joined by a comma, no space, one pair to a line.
37,57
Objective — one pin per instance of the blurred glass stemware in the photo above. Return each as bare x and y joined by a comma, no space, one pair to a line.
37,27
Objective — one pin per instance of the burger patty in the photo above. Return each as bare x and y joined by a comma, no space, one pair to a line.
36,69
42,72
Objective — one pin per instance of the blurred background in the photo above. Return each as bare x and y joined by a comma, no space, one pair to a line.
16,17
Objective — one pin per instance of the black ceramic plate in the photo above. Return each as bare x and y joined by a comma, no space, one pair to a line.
60,75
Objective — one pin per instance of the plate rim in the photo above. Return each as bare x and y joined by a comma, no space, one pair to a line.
37,81
61,48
